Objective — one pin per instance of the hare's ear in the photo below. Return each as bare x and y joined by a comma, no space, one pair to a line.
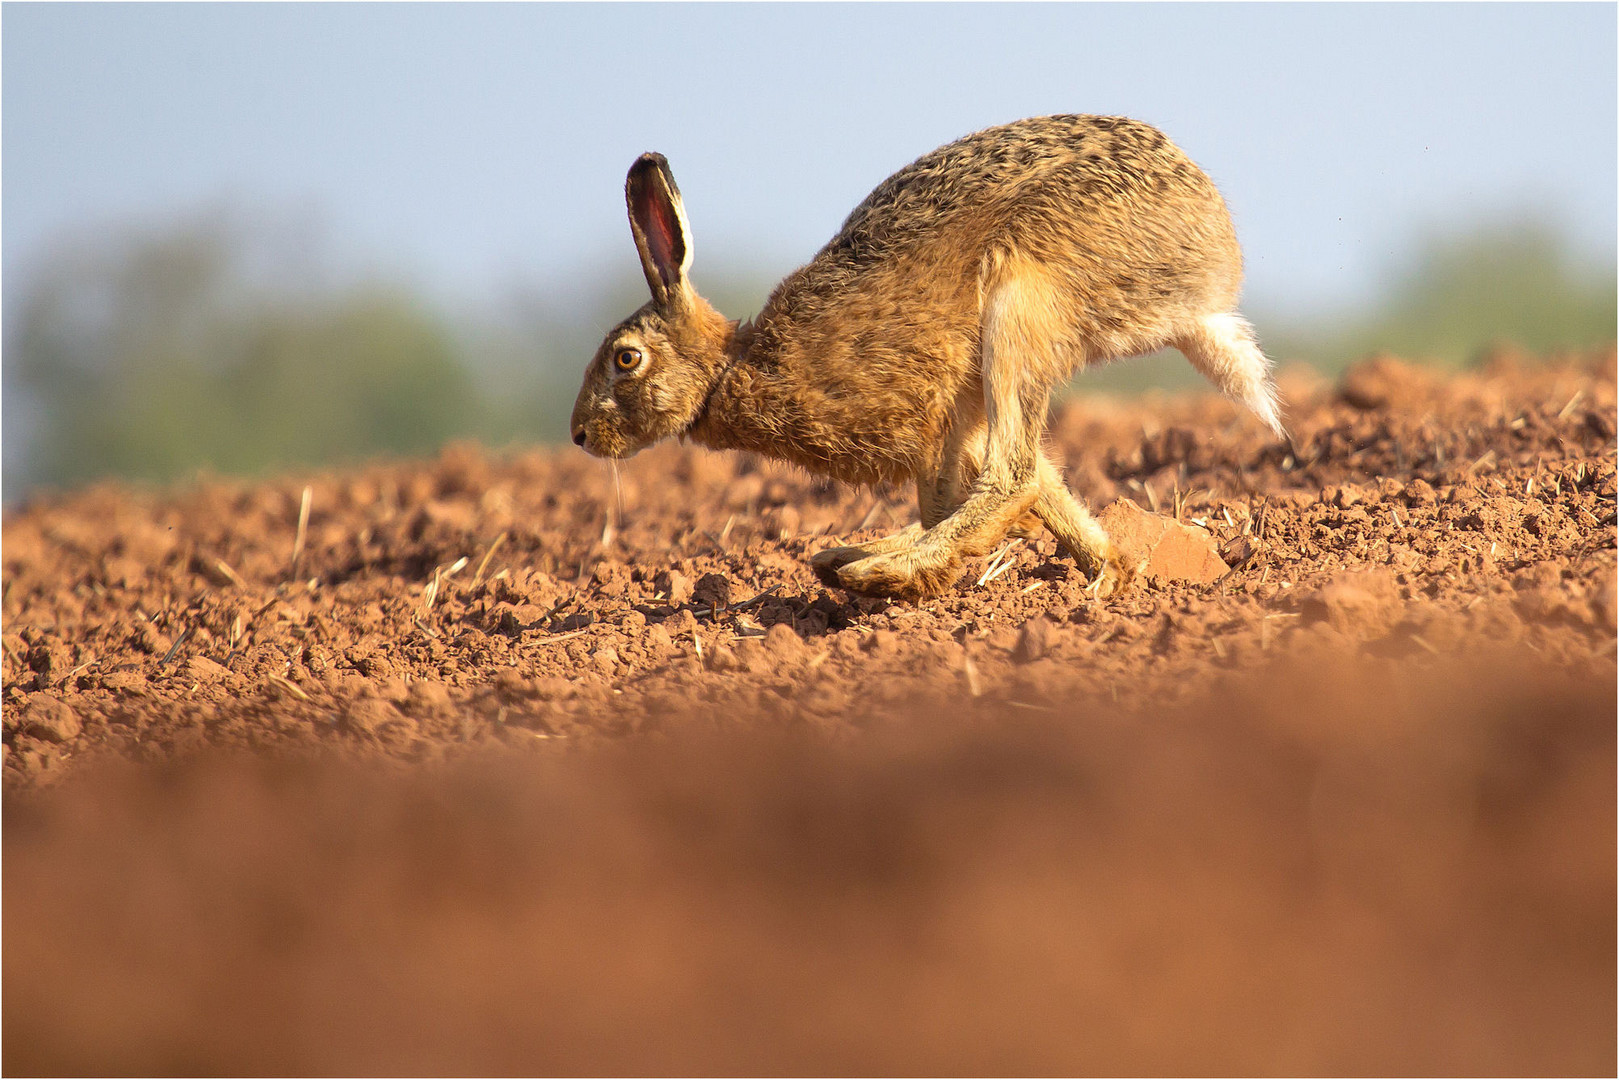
658,221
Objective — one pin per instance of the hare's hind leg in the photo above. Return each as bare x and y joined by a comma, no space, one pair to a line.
1079,533
1223,348
955,483
1060,512
1017,376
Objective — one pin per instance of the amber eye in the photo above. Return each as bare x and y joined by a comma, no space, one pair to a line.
627,359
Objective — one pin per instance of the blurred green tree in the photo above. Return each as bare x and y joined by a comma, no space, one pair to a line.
203,345
1513,281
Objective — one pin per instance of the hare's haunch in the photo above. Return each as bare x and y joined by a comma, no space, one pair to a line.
923,342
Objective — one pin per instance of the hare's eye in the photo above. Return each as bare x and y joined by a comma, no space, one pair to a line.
627,359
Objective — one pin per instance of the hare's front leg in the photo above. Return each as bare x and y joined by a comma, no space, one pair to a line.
936,498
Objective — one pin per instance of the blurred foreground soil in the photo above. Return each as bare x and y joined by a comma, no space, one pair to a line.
515,764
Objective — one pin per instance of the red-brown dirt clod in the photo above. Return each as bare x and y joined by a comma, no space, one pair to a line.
1162,548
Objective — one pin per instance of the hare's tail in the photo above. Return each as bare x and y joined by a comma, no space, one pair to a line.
1223,348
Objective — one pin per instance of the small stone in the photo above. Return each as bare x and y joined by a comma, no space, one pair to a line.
606,660
1380,381
51,719
204,670
369,715
1238,551
132,682
782,643
712,590
723,658
1358,602
880,641
426,696
1034,640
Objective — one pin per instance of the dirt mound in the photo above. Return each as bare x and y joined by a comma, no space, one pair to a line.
521,764
1418,878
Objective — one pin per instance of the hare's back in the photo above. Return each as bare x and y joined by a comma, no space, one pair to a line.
1049,181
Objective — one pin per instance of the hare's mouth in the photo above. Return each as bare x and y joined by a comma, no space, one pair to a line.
593,447
613,447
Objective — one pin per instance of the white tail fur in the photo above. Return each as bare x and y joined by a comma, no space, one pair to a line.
1223,348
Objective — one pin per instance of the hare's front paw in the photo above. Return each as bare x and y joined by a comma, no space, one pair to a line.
901,575
826,563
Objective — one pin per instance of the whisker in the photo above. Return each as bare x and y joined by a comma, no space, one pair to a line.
614,508
618,495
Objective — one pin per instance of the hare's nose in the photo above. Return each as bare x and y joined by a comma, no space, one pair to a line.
579,437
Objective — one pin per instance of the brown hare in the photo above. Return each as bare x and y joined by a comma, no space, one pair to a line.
922,343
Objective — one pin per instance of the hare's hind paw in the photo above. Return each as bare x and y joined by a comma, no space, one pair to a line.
900,575
1113,578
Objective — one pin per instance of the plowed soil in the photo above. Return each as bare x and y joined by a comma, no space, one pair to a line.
515,764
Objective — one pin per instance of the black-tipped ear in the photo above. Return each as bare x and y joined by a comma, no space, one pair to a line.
658,223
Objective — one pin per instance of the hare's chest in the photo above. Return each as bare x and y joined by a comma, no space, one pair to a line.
859,424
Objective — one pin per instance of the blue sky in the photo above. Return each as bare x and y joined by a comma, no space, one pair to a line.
465,148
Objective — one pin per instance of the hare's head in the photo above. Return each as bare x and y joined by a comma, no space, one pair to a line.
654,371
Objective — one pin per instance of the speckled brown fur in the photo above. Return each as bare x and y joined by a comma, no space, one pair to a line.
923,341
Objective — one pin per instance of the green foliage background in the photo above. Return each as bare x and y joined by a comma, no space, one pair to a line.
1515,281
200,345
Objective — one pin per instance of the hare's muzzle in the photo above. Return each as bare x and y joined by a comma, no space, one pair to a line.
579,436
